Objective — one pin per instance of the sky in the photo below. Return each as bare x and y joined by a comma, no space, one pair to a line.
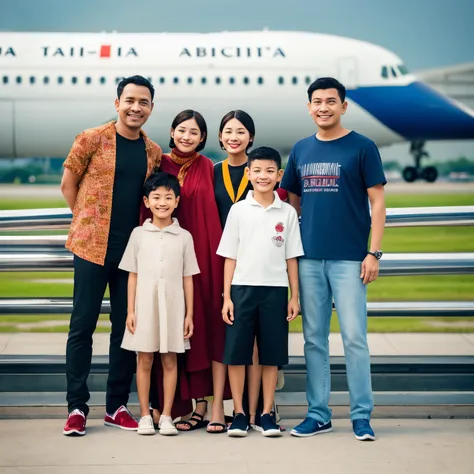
424,33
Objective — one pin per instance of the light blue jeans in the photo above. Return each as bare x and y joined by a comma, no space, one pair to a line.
320,281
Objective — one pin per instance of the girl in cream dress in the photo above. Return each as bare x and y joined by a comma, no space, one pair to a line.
160,259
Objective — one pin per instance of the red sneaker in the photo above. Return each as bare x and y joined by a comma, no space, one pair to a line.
75,424
122,419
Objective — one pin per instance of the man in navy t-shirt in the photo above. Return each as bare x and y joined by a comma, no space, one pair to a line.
330,178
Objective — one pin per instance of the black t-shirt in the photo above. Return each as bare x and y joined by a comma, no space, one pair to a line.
224,202
130,173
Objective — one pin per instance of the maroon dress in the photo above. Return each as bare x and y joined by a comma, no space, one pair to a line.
197,213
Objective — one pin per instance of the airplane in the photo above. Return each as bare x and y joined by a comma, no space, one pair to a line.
54,85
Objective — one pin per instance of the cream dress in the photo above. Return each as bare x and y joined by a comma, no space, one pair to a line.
161,258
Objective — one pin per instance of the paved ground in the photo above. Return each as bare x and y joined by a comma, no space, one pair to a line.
50,191
380,344
403,446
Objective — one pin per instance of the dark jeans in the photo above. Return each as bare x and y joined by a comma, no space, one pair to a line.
90,282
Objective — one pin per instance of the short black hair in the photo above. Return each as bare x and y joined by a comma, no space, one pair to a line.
264,153
327,83
187,115
160,179
137,80
247,122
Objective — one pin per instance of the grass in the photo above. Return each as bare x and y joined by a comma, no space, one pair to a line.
418,288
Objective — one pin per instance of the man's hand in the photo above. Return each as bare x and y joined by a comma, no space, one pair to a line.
293,309
228,311
131,322
188,326
369,270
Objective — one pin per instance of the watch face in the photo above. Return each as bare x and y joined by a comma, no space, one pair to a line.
378,254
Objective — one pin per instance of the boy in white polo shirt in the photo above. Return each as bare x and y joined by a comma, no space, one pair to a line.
261,243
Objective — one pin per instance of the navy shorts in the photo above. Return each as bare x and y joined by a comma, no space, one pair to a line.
259,312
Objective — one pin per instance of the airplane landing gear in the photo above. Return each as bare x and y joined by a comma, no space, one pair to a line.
412,173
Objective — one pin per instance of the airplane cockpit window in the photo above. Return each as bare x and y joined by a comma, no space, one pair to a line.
5,79
88,80
394,73
246,80
102,80
231,80
203,80
384,72
403,69
60,79
32,79
281,81
294,80
260,80
175,80
218,80
18,79
45,80
74,79
190,80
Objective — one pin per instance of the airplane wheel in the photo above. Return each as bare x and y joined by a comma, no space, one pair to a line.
430,174
410,174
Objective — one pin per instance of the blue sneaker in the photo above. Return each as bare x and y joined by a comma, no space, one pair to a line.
311,427
239,427
269,428
362,430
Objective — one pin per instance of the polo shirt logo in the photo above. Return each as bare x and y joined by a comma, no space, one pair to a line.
279,227
278,240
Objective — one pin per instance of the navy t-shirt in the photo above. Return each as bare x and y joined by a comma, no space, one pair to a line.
332,178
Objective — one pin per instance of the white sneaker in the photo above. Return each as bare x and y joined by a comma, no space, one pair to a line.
145,426
166,426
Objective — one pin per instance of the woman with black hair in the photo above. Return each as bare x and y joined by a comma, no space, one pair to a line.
231,185
198,214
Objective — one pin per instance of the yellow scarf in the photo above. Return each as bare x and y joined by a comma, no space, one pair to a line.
185,161
228,182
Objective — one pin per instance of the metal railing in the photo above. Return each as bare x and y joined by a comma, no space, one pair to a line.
47,253
42,219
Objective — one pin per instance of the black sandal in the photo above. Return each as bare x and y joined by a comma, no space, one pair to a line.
199,419
220,425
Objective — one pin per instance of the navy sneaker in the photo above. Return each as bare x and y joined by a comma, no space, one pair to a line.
269,428
362,430
311,427
239,427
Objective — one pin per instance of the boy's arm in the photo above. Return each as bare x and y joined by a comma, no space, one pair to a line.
188,300
228,307
293,305
131,295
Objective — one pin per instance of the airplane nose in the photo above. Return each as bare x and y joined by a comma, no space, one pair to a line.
416,111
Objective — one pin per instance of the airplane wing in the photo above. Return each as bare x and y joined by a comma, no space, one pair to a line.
456,81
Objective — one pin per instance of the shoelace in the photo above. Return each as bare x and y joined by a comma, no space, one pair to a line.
77,412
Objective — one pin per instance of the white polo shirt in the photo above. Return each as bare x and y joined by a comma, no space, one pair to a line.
261,240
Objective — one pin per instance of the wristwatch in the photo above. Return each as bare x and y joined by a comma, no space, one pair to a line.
377,254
